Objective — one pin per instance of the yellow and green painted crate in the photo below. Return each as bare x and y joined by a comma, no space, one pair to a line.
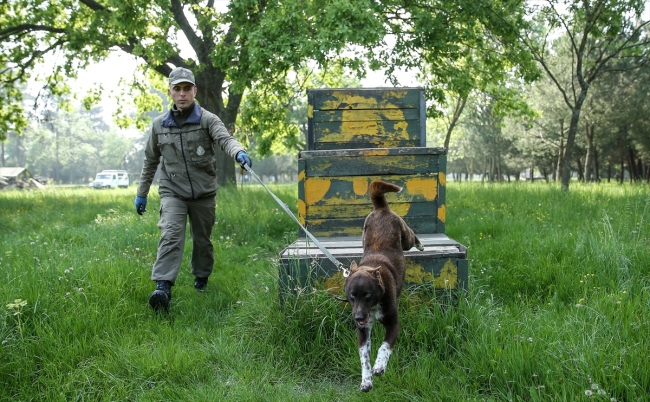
356,136
366,118
333,185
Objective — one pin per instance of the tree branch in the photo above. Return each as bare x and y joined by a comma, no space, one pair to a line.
15,30
93,5
195,41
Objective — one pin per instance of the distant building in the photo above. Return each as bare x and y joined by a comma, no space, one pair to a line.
13,174
18,177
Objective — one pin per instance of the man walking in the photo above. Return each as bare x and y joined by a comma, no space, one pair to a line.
182,141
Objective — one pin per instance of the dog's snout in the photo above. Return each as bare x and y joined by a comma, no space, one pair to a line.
362,319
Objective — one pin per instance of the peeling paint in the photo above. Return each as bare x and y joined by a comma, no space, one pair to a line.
315,190
401,209
401,129
415,273
442,213
360,186
321,165
448,278
425,186
375,152
344,101
302,211
301,175
443,178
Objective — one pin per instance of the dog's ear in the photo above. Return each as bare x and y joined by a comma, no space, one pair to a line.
376,273
353,266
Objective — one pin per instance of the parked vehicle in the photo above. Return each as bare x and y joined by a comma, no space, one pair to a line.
110,179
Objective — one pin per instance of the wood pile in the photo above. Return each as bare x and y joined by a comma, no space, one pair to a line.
10,184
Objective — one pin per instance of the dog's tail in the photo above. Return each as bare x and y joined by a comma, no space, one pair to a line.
377,190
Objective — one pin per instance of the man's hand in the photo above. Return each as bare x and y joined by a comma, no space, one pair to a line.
243,159
140,204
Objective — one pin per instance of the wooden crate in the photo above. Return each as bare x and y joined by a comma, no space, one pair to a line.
353,118
441,266
333,185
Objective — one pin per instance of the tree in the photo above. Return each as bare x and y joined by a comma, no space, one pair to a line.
618,126
460,46
229,51
274,115
599,34
70,147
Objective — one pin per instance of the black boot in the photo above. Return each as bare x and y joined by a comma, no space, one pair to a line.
161,297
200,283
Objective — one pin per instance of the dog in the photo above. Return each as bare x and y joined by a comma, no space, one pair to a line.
373,286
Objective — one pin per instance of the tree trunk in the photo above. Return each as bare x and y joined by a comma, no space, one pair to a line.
609,169
458,109
57,165
560,152
571,137
631,164
590,151
622,176
581,176
210,96
596,167
499,174
532,173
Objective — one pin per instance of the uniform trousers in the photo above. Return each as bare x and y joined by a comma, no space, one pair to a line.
173,220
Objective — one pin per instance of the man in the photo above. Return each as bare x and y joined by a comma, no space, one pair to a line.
182,141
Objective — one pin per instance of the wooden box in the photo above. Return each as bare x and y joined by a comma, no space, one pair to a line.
354,118
441,266
333,185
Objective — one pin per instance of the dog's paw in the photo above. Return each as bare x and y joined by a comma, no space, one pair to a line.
365,386
378,371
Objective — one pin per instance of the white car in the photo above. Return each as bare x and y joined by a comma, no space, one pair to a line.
110,179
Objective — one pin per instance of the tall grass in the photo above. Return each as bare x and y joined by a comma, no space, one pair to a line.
557,307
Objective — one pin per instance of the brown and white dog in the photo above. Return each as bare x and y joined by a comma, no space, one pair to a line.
375,284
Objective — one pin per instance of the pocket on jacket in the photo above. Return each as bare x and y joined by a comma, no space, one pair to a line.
200,150
168,151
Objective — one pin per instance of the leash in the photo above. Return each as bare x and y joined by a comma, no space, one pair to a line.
339,265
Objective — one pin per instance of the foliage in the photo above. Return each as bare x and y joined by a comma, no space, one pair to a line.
71,147
274,114
598,35
460,47
229,50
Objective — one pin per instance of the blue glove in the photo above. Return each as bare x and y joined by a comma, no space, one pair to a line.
243,159
140,204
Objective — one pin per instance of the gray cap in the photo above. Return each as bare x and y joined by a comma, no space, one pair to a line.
180,74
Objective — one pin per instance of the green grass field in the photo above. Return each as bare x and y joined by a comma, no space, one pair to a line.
557,307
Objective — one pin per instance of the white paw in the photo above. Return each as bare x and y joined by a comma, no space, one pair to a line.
366,385
383,355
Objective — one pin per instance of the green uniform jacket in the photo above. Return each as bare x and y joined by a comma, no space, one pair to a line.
188,164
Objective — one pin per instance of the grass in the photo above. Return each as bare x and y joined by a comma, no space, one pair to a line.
557,307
